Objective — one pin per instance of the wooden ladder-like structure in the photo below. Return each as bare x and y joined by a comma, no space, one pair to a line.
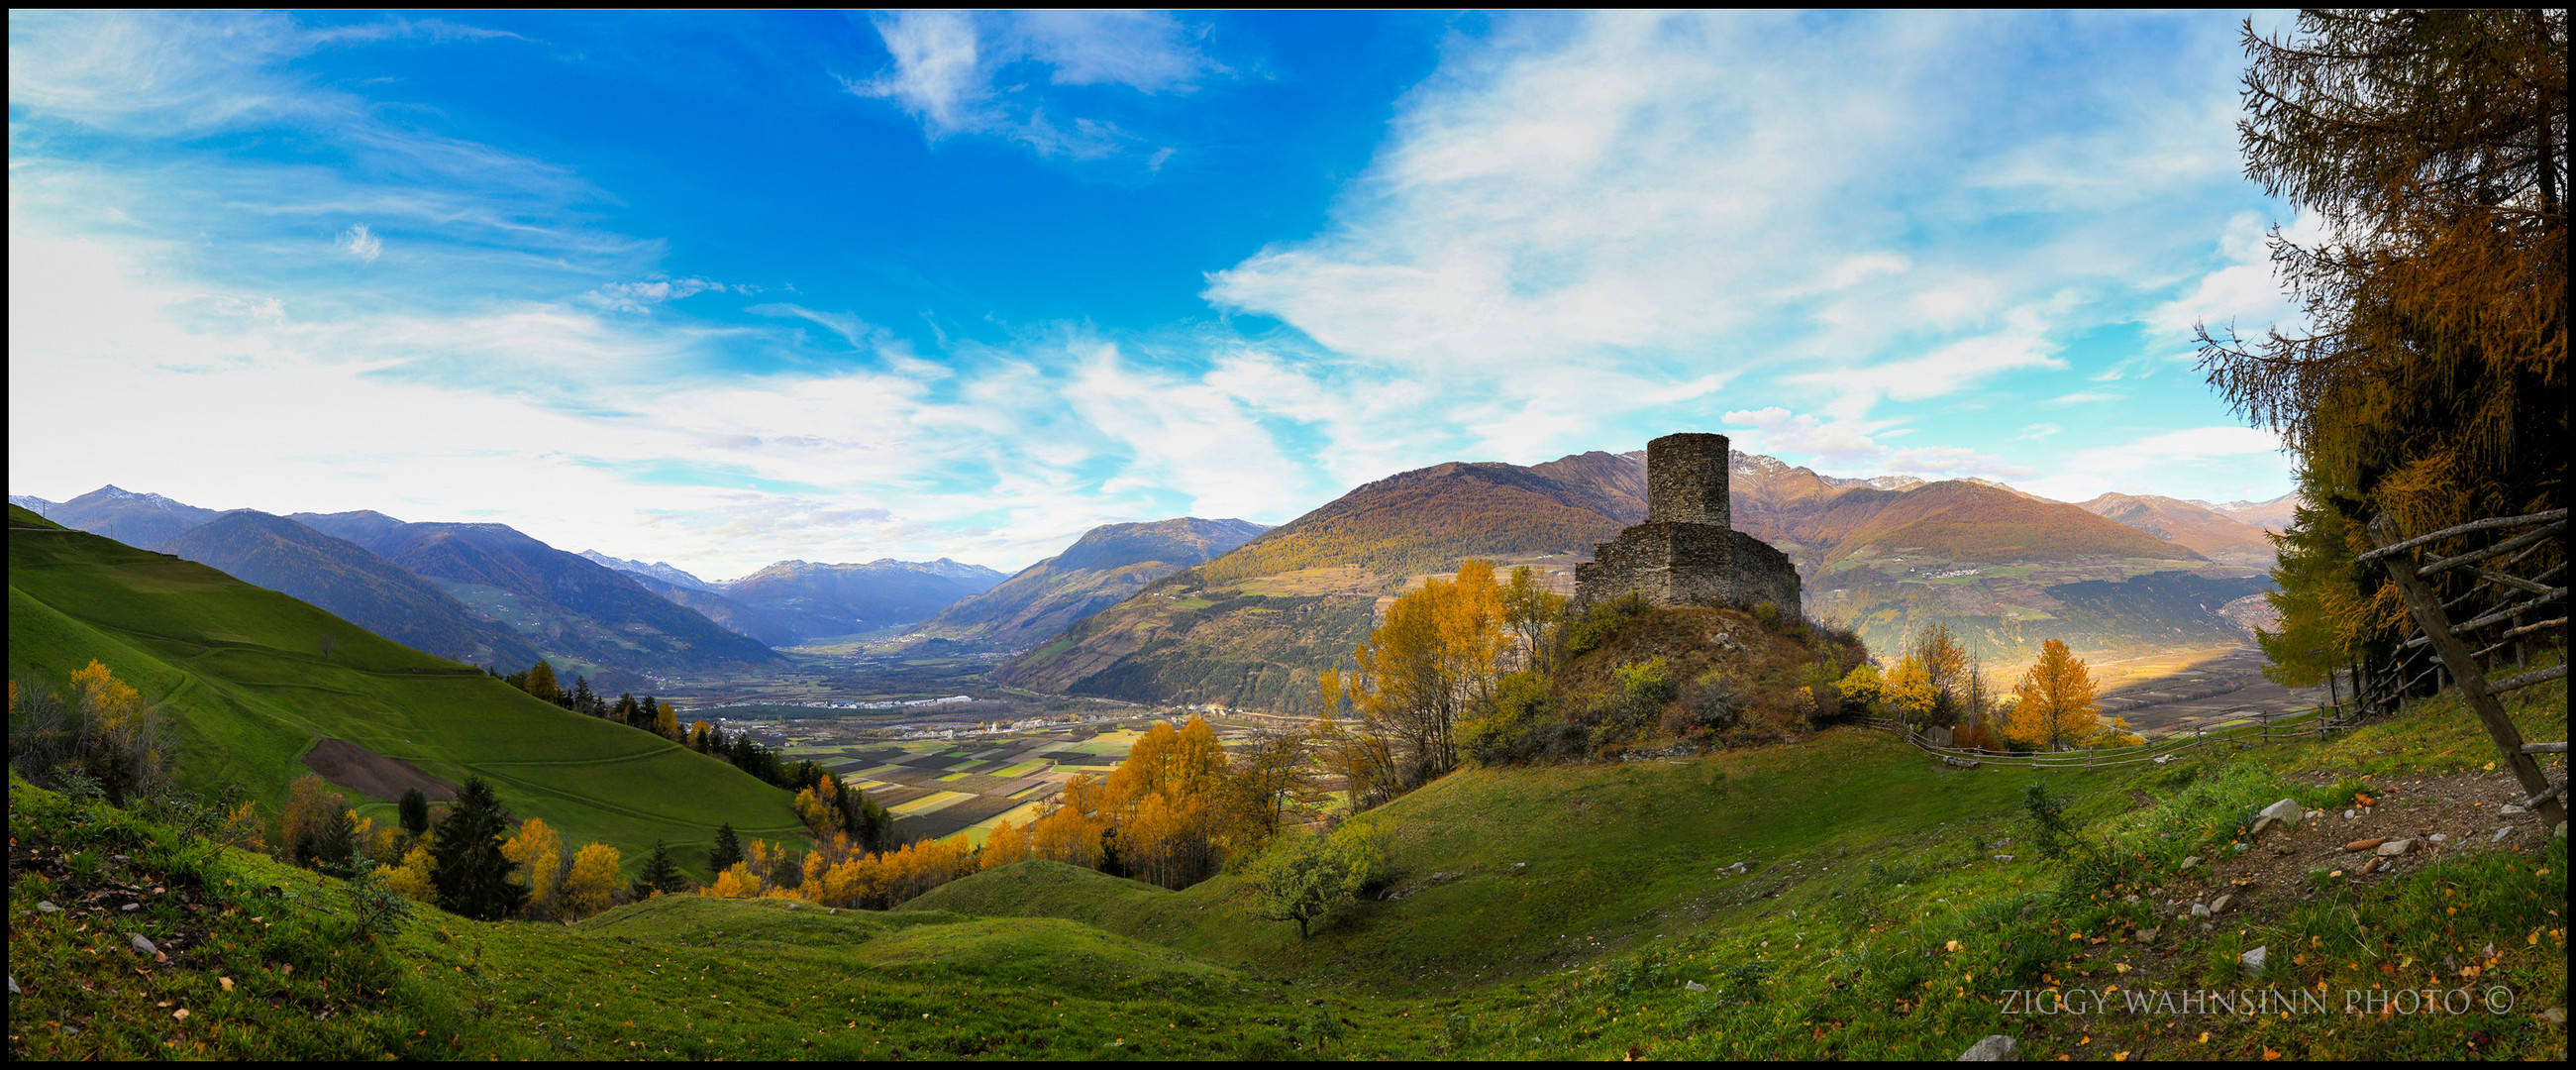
2516,597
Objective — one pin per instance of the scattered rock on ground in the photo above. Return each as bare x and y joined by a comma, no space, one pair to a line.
1994,1049
2191,861
144,946
2501,832
2255,959
2220,906
1693,986
2396,847
46,906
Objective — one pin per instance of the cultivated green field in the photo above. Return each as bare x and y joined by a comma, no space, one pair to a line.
241,677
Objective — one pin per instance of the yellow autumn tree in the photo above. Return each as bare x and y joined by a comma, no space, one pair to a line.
666,720
411,879
1909,692
818,807
1437,657
593,884
2053,704
737,882
119,743
539,852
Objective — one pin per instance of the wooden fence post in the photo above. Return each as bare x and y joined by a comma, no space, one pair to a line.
2455,655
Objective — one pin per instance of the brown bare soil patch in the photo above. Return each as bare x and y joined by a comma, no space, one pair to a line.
367,772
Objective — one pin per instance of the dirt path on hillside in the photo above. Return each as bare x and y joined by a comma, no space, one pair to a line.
369,773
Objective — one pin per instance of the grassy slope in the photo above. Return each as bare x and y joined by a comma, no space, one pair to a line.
239,671
1813,953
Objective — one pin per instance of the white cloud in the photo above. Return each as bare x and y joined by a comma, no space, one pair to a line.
642,296
946,64
2086,397
1852,449
2245,295
1840,212
359,242
2205,462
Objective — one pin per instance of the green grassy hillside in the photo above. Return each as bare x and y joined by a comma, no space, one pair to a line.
1885,907
241,675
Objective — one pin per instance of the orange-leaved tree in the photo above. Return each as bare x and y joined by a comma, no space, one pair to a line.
2053,704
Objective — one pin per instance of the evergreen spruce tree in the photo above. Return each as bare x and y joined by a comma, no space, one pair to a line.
726,852
643,714
624,711
415,812
466,864
659,875
582,699
328,848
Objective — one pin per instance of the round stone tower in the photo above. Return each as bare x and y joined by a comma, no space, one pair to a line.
1686,480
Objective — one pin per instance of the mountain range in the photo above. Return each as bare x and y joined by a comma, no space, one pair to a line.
1886,554
1104,567
351,582
1229,611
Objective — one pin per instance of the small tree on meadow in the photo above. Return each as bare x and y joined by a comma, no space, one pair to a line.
2053,704
726,852
1303,877
659,875
414,808
467,866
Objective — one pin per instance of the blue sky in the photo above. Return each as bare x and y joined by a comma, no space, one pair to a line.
723,289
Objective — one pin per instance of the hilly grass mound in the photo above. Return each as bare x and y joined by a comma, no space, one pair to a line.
1513,874
240,673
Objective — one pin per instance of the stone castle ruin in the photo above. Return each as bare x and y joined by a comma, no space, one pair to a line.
1687,553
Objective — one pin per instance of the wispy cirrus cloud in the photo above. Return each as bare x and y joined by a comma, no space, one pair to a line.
948,66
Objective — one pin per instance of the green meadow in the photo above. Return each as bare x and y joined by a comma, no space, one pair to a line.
243,680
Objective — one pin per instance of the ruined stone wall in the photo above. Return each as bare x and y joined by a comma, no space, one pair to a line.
1685,554
1758,572
1686,480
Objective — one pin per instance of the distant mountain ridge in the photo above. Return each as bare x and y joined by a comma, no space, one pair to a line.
561,601
1103,567
660,570
142,521
351,582
2216,535
811,600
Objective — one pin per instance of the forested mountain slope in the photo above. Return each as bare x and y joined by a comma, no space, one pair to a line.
1107,564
